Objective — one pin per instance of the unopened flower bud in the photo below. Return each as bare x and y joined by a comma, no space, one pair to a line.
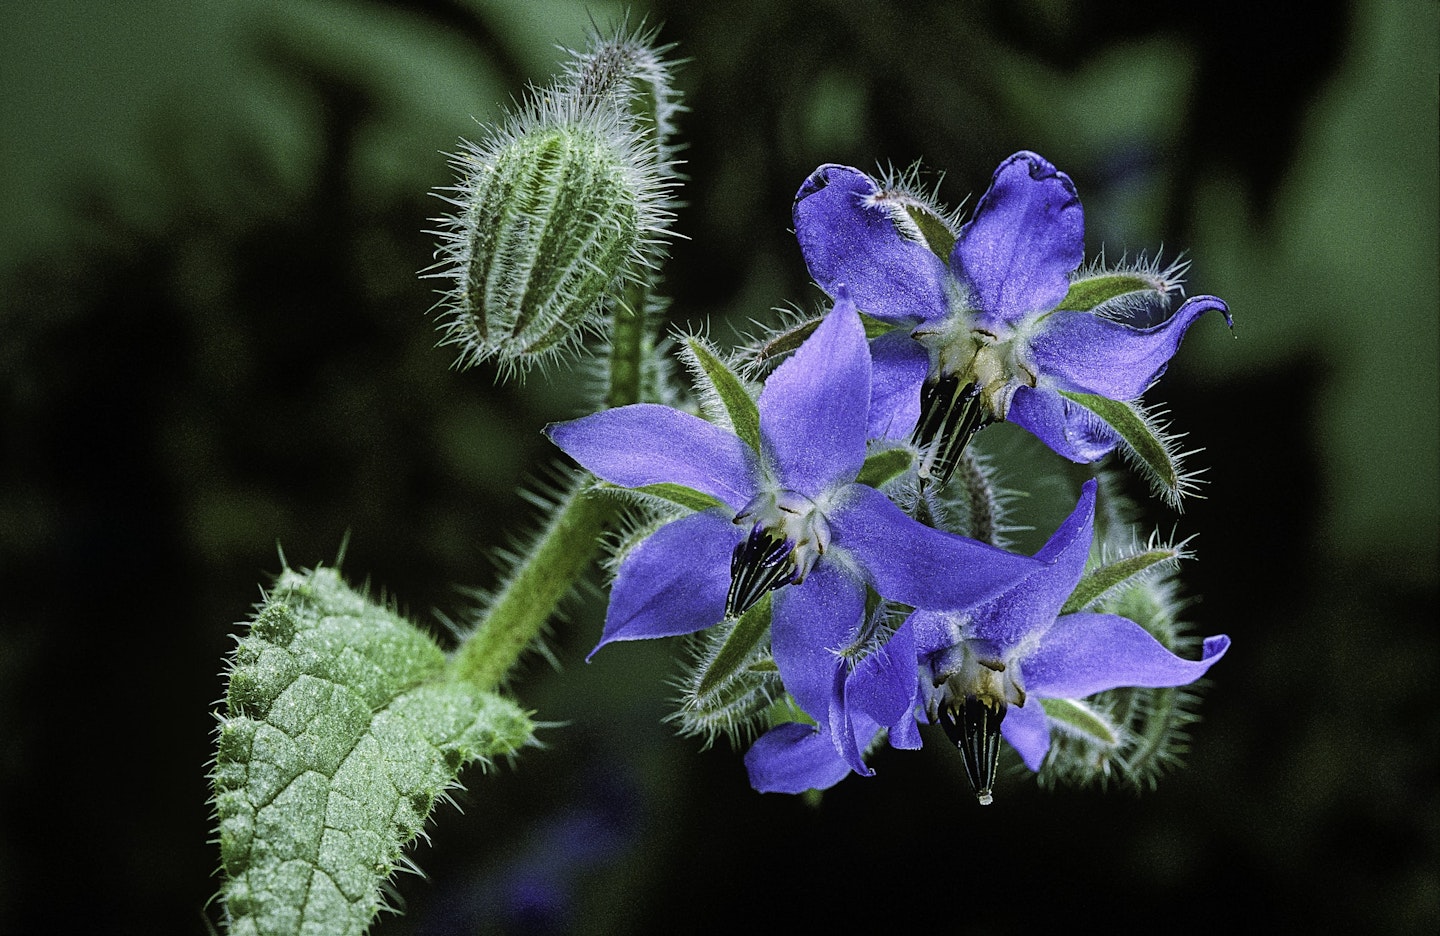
557,212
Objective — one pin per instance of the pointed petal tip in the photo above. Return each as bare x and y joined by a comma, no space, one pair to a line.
1196,306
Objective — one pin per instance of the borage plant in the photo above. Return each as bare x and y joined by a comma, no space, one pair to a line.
813,519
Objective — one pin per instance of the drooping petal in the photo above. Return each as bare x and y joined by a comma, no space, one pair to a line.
898,365
814,407
793,758
1088,653
849,240
883,688
917,565
651,444
1028,234
1094,354
675,581
810,624
1028,731
1027,609
1071,431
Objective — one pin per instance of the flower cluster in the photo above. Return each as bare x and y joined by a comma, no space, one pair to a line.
785,506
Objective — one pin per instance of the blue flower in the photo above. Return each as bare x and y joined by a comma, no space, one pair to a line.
982,672
992,341
789,518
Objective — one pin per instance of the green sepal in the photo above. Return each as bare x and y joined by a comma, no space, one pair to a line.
1143,441
730,389
1075,717
791,338
1098,581
343,725
885,464
677,494
1090,292
739,647
938,236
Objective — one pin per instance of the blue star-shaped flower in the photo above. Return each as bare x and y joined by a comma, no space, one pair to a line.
979,668
991,342
789,517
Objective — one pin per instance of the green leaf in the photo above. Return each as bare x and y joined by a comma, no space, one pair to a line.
342,728
885,464
1144,442
1089,292
744,416
1097,582
1074,717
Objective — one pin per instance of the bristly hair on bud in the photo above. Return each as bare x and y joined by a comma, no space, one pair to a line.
562,212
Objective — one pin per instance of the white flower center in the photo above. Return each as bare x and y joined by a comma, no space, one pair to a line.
788,535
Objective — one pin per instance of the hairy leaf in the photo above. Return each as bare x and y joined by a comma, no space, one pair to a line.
342,728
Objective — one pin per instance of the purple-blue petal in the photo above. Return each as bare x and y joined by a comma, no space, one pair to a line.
675,581
1094,354
810,623
1088,653
1026,238
1069,429
793,758
813,410
1030,607
917,565
898,365
848,240
651,444
1028,731
881,692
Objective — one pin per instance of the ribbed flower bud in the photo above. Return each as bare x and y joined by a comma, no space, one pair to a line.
558,211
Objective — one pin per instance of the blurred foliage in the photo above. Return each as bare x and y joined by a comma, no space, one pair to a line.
212,339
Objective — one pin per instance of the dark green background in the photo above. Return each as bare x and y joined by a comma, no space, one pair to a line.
212,339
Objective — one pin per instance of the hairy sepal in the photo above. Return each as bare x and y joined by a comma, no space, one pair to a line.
1146,444
721,390
342,727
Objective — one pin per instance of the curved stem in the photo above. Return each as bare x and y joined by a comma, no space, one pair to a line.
564,551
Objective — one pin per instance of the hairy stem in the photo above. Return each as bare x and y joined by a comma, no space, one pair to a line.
568,545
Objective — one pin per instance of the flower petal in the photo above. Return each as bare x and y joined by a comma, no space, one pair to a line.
1030,607
849,240
898,365
810,624
917,565
793,758
1028,731
1028,234
1094,354
651,444
1088,653
883,685
1071,431
814,406
675,581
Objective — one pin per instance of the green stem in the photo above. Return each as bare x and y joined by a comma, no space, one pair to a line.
627,343
561,555
568,545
